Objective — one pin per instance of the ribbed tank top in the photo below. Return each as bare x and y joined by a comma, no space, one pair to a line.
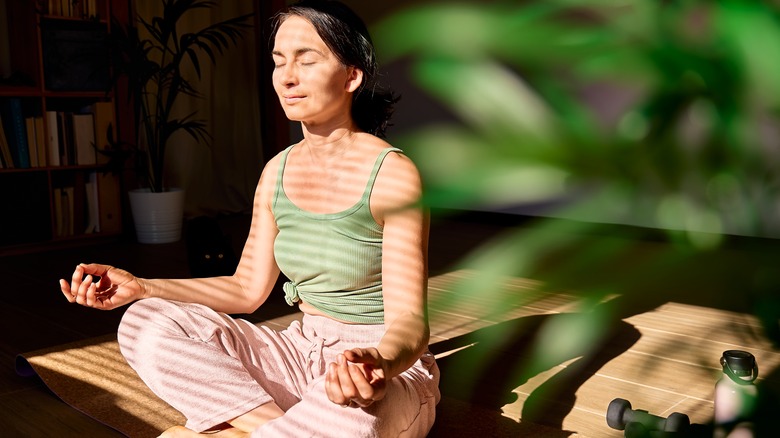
333,260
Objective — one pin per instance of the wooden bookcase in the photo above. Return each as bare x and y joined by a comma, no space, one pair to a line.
53,70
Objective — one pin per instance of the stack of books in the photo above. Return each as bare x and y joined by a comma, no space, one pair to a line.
58,138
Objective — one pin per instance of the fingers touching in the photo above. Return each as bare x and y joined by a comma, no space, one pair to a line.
82,288
352,384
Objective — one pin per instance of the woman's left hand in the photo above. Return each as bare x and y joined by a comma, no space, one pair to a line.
357,378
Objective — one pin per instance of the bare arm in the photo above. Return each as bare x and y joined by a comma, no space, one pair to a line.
404,264
242,292
360,375
249,287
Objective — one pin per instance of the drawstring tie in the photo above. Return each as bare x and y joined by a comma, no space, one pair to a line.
291,293
315,359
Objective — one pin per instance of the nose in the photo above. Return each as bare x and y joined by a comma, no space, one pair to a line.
287,74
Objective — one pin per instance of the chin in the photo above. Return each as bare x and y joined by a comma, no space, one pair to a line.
293,114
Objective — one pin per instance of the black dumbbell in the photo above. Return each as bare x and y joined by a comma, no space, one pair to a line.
637,430
620,414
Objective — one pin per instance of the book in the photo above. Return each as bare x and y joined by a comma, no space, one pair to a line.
40,138
53,7
70,141
92,8
93,210
32,143
53,144
84,139
104,120
77,8
65,135
5,151
15,131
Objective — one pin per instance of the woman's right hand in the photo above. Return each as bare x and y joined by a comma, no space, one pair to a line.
101,287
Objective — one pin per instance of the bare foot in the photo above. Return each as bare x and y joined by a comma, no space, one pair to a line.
183,432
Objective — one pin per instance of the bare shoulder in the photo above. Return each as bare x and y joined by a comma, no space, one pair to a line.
398,183
267,183
396,164
401,163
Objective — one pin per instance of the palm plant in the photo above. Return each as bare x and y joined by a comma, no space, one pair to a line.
152,69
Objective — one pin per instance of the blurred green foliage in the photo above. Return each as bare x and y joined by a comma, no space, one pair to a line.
659,114
668,108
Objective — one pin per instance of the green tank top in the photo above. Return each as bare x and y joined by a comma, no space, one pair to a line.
333,260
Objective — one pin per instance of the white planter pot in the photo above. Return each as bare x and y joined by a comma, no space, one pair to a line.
158,217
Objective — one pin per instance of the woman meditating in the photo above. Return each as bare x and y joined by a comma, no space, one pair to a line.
338,213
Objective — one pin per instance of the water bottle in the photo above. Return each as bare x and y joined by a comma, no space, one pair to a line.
736,395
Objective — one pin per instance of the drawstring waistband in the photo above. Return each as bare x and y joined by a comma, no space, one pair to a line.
315,356
318,333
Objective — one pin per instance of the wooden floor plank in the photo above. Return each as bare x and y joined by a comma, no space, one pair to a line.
36,413
450,325
458,293
671,366
674,377
703,323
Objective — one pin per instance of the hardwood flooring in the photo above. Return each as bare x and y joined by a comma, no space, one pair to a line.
657,346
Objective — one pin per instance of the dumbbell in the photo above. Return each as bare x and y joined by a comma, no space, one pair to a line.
620,414
638,430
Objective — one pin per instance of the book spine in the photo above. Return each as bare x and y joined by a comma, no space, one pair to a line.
5,150
40,140
17,133
84,138
104,122
53,143
70,142
32,144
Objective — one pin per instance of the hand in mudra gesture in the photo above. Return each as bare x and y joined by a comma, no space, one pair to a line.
101,287
357,378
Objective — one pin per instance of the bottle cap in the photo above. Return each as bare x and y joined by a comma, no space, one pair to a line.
739,364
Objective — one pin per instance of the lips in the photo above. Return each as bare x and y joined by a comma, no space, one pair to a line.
292,98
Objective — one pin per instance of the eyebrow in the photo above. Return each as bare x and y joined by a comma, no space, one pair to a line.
299,52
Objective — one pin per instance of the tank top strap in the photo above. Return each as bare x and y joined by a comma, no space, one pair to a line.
375,171
280,172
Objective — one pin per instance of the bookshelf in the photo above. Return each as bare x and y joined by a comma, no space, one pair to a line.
55,106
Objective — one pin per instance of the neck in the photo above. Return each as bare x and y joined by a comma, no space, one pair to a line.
327,150
328,143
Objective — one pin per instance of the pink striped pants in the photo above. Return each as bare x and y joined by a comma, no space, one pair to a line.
213,368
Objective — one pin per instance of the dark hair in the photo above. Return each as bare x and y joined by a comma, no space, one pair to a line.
347,37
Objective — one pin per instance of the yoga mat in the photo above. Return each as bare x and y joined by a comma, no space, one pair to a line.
93,377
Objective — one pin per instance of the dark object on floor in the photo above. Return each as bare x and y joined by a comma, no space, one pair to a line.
620,416
209,250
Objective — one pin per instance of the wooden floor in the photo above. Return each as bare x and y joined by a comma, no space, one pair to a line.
518,357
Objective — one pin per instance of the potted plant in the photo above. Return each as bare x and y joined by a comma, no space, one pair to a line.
150,69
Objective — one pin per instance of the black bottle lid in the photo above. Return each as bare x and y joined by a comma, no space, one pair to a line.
739,364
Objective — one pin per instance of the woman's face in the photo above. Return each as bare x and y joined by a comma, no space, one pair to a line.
313,86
